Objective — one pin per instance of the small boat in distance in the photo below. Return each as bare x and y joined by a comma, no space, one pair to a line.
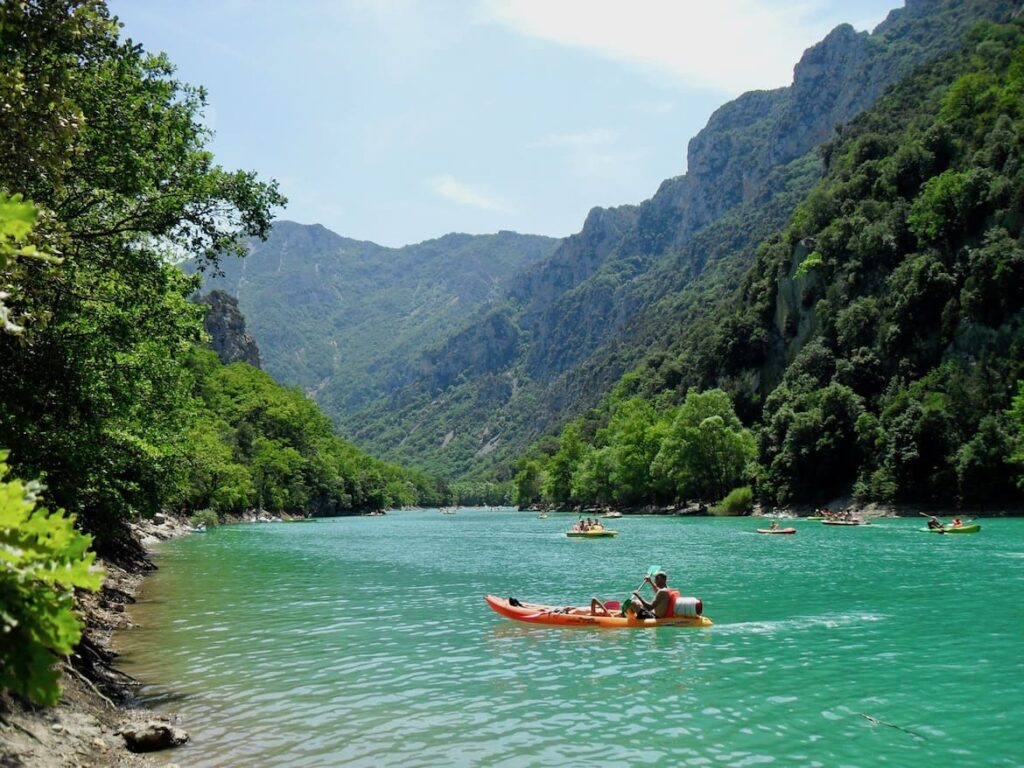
953,529
852,521
780,531
599,533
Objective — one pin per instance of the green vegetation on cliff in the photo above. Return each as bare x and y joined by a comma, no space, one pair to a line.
557,336
255,443
876,342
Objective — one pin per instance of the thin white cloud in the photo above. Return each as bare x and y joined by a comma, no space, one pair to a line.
452,189
594,138
594,155
655,107
724,45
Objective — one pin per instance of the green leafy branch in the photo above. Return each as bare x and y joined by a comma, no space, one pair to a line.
17,220
43,559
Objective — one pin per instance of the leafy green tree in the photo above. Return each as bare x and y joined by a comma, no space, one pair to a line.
17,220
633,441
563,465
112,149
983,464
994,288
592,481
922,438
1015,416
706,451
526,487
214,479
809,441
43,559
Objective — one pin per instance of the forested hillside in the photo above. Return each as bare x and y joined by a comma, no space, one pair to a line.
635,276
876,343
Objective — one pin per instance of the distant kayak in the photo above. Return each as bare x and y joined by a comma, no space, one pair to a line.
591,534
845,522
553,615
814,517
953,529
780,531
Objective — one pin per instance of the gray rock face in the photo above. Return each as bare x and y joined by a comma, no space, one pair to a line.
731,162
484,347
226,326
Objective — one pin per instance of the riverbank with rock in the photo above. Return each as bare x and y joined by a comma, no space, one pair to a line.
864,511
96,722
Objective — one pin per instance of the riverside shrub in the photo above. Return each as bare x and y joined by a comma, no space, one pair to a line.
42,560
739,501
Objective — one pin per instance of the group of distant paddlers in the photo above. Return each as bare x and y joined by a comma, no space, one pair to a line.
842,516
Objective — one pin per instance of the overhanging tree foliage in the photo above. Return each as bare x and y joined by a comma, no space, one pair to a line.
112,149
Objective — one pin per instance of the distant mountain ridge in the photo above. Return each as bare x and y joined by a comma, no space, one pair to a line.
346,320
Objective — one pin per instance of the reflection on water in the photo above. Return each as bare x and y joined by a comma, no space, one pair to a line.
366,641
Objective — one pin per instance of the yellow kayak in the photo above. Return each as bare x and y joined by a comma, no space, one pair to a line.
604,533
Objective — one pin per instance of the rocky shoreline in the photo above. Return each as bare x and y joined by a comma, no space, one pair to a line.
866,511
97,721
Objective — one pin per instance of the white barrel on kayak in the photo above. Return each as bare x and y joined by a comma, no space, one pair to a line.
688,607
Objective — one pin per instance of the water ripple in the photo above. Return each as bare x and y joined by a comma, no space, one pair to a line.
365,642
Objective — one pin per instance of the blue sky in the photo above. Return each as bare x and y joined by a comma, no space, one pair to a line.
398,121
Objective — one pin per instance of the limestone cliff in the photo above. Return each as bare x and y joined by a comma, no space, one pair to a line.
732,160
226,326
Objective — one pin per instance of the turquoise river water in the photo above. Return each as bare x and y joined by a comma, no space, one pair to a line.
365,641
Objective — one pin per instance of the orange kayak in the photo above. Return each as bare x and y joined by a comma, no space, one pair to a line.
777,530
553,615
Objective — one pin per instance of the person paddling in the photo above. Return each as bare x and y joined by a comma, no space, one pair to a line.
660,606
